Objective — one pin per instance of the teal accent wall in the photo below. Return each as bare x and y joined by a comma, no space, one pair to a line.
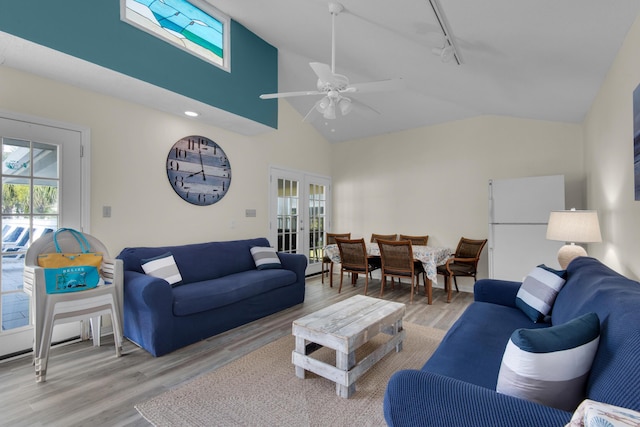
92,30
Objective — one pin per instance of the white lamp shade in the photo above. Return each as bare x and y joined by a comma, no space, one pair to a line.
574,226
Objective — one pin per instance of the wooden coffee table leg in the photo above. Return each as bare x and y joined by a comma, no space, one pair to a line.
301,348
396,330
345,362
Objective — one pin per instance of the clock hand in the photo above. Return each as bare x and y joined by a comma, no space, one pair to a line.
204,178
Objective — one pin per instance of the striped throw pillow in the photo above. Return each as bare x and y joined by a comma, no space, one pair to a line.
164,267
265,258
538,292
550,366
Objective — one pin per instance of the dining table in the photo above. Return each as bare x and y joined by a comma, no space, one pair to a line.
430,257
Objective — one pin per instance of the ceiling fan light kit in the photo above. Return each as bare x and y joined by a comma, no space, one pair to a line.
327,105
323,104
330,112
345,106
332,86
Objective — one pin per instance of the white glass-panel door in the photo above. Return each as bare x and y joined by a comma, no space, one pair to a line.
289,225
41,191
318,224
300,214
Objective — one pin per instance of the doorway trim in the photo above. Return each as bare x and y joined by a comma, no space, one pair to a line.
18,340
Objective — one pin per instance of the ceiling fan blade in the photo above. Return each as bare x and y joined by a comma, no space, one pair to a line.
364,110
289,94
323,71
377,86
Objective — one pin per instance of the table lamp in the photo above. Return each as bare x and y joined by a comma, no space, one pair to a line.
573,227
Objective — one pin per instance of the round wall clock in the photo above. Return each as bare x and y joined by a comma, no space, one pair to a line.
198,170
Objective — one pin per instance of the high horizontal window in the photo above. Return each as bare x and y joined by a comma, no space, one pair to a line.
193,25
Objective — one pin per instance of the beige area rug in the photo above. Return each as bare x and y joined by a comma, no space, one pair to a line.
261,389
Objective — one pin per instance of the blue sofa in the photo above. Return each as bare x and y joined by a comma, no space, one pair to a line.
221,289
456,386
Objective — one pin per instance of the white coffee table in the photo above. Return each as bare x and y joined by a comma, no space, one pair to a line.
344,327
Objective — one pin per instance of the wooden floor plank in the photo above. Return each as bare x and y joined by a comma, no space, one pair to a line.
90,386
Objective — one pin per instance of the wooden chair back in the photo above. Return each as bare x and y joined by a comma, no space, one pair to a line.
397,257
468,251
415,240
331,237
353,259
375,237
353,255
397,261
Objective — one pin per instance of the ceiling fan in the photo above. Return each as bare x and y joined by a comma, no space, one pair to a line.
334,86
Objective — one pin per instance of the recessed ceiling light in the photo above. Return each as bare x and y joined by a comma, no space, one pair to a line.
191,113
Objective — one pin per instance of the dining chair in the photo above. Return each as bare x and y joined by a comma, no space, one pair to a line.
375,261
398,262
415,240
50,309
330,239
354,260
464,262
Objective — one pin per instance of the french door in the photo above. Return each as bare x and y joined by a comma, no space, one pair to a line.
42,189
300,214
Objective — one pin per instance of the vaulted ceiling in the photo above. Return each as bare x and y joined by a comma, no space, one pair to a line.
543,59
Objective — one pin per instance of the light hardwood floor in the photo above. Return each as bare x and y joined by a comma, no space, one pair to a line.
88,386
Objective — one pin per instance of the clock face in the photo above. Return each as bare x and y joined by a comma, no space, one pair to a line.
198,170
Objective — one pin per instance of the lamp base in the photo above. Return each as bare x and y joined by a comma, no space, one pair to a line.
567,253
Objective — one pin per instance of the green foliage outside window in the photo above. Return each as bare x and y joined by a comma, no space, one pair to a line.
16,200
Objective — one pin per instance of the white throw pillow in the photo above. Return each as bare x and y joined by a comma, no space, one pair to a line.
550,365
265,258
163,266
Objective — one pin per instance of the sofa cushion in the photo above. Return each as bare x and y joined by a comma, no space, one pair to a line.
210,294
550,366
539,290
265,258
163,266
473,347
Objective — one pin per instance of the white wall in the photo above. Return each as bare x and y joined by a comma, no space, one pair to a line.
609,161
129,146
434,180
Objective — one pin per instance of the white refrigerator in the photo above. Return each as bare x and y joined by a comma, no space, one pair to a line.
518,213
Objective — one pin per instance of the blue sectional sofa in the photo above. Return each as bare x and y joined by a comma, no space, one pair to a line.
221,289
457,385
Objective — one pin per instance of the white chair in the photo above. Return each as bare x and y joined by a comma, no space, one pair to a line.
49,309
